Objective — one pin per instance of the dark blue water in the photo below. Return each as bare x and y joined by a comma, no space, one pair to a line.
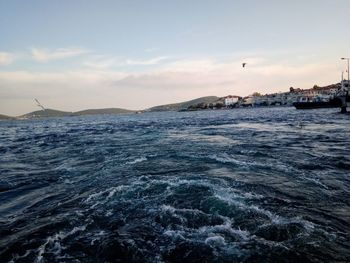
246,185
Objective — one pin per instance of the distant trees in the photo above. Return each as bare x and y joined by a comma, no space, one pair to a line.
256,94
204,106
199,106
219,105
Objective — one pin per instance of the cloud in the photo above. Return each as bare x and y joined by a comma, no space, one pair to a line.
44,55
6,58
153,61
172,82
99,62
77,78
105,62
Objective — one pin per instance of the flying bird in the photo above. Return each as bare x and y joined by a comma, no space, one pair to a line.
243,64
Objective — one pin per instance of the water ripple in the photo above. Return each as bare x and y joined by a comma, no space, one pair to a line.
246,185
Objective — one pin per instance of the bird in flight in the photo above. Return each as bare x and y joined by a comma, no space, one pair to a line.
243,64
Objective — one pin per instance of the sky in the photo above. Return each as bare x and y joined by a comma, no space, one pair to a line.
74,55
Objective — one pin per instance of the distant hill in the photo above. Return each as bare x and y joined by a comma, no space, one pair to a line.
102,111
5,117
184,105
168,107
57,113
46,113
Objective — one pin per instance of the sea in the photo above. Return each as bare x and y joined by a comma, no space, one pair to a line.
241,185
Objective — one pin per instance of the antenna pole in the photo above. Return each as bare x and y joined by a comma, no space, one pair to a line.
39,105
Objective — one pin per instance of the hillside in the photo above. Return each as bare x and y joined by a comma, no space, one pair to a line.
168,107
5,117
57,113
184,105
46,113
102,111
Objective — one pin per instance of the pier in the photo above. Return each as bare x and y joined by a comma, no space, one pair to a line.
343,96
343,93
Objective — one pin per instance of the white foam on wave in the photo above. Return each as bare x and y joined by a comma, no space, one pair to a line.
229,199
168,208
138,160
220,190
211,234
227,228
53,243
249,195
315,181
175,234
225,158
94,196
97,237
106,194
240,204
65,166
16,257
274,218
75,230
172,211
215,241
199,137
227,194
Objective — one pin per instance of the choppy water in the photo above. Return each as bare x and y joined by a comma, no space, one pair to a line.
246,185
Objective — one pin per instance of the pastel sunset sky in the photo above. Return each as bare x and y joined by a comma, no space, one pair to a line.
74,55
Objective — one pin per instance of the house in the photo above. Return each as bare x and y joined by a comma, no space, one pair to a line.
248,101
231,100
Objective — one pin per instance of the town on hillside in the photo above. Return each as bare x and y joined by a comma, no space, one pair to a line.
321,94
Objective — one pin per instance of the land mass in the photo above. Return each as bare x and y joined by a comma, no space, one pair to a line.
167,107
5,117
45,113
203,103
184,105
58,113
103,111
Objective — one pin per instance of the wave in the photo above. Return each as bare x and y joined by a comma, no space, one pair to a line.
53,243
238,186
137,160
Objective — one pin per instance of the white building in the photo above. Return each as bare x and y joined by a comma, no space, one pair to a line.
231,100
248,101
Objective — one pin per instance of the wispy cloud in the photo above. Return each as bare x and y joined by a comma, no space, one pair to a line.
6,58
102,62
153,61
45,55
174,81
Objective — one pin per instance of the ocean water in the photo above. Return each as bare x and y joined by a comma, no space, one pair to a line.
244,185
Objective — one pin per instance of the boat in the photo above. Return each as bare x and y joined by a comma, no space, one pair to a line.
315,103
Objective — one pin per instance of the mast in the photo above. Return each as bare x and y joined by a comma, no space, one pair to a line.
39,105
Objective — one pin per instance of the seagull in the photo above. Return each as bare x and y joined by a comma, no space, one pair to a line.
243,64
